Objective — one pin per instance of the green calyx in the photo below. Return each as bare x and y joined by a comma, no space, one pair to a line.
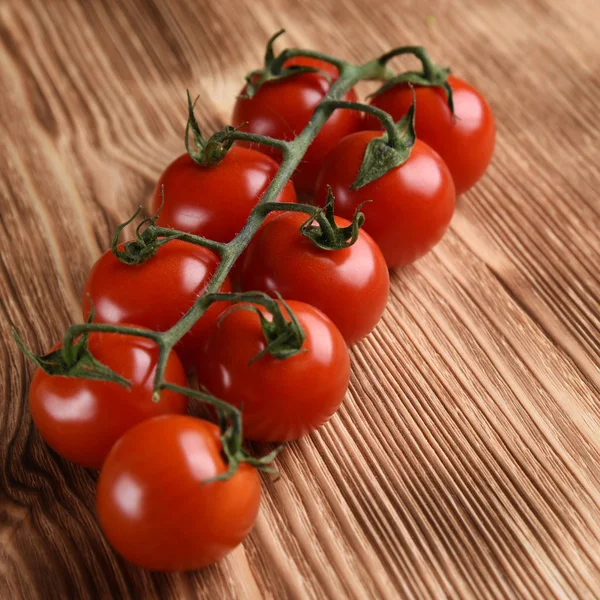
232,439
149,237
73,359
322,230
146,243
261,463
206,153
274,69
431,75
384,153
285,336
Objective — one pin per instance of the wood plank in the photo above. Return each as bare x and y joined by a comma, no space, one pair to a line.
464,462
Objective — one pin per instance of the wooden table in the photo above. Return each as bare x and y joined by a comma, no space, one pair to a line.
465,461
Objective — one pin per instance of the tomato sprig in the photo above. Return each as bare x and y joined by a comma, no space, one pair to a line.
284,337
289,366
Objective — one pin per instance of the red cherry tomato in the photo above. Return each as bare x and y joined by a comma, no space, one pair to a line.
280,399
81,419
281,109
350,286
466,143
215,202
154,506
411,205
157,293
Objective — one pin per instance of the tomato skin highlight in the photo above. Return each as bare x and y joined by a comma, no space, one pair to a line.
411,205
215,202
281,109
81,419
280,399
154,506
350,286
466,143
157,293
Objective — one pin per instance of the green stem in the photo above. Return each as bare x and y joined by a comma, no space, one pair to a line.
276,65
386,120
418,51
218,247
233,412
75,331
263,140
264,208
231,436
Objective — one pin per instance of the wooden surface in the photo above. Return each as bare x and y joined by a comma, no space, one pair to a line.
465,461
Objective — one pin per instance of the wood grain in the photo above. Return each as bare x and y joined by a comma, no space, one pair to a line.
465,461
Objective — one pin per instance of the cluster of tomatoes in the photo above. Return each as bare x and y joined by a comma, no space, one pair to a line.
162,498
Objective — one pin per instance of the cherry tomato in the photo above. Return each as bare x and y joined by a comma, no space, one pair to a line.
350,286
154,505
466,142
281,109
411,205
157,293
215,202
280,399
81,419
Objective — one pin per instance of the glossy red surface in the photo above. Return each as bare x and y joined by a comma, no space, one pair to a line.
81,419
466,143
281,400
411,205
350,286
157,293
154,506
281,109
215,202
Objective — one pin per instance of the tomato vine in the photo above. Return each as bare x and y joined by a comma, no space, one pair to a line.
283,333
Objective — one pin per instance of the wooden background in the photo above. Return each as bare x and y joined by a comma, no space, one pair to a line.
465,461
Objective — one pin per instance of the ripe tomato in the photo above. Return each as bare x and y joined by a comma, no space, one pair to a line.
350,286
280,399
215,202
157,293
281,109
81,419
154,506
466,142
411,205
